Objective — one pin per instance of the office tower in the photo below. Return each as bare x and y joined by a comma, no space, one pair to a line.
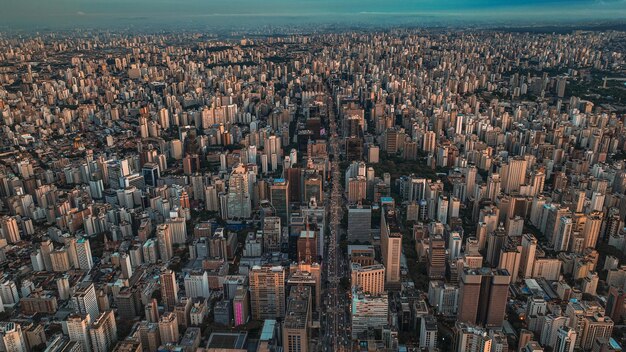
483,296
267,292
84,300
368,311
168,328
313,187
359,223
83,253
442,209
272,232
297,320
513,174
12,337
495,242
239,199
240,305
565,340
437,257
151,174
103,332
169,289
454,245
9,229
370,278
197,284
279,195
428,333
78,330
529,249
390,246
166,245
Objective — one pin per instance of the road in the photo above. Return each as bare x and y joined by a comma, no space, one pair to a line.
336,335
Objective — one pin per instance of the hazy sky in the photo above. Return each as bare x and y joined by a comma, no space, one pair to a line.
31,14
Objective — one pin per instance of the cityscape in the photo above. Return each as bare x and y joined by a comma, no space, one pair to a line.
313,183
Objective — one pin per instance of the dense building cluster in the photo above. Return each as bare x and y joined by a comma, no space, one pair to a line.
405,190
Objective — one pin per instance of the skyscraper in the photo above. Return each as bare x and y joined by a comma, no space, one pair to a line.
565,340
239,200
483,296
297,320
267,292
279,195
169,289
168,328
437,257
166,245
103,332
78,330
391,246
84,300
527,262
83,254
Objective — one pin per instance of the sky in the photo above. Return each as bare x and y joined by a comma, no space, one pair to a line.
65,14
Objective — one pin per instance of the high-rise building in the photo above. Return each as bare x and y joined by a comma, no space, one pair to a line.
594,327
169,289
359,223
166,245
12,338
368,311
471,338
279,195
313,187
369,279
83,254
267,292
437,257
9,229
84,300
483,296
103,332
391,246
168,328
240,305
149,335
428,333
529,249
272,232
565,340
239,199
78,330
297,320
197,284
513,174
